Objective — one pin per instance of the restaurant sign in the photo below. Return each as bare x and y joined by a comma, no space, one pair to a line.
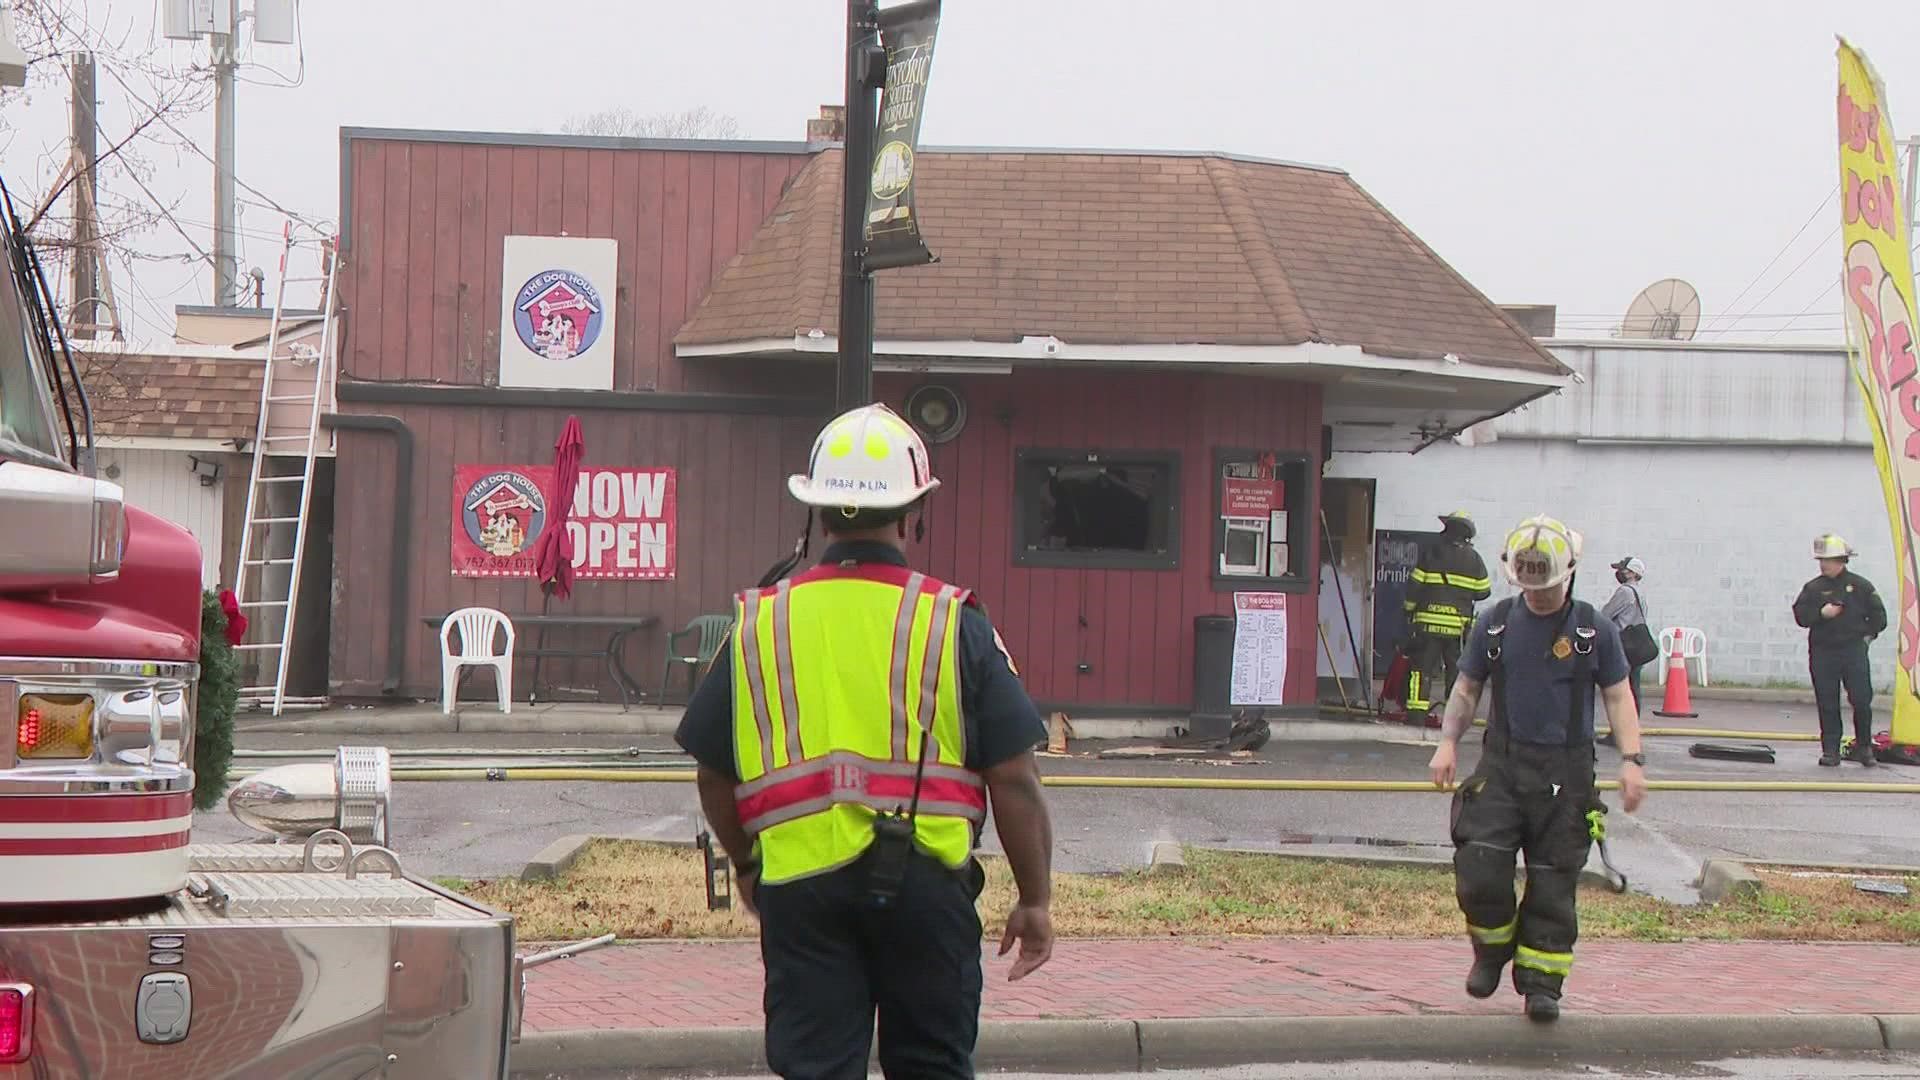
622,525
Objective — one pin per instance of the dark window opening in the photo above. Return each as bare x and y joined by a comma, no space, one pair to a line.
1093,509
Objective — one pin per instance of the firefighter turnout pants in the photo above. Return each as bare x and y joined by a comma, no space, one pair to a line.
832,958
1435,663
1530,800
1835,669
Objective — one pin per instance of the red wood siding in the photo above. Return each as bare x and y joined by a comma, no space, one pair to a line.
1138,632
734,520
428,220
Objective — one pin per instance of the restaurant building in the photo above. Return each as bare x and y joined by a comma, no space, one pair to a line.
1130,366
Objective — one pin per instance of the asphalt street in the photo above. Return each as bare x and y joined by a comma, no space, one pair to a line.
483,829
1814,1067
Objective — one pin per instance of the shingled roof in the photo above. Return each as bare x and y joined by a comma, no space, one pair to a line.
1121,249
136,395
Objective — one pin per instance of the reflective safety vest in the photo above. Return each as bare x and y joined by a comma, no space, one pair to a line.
837,675
1443,587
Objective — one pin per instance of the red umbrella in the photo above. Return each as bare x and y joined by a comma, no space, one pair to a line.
553,551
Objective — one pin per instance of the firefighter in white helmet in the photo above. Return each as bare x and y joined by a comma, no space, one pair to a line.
849,741
1533,790
1842,612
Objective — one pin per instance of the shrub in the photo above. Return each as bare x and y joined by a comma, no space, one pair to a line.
219,696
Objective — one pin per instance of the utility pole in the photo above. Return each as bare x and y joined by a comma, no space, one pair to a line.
83,300
226,247
866,73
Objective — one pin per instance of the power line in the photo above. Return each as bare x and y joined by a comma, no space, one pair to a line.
1784,248
196,148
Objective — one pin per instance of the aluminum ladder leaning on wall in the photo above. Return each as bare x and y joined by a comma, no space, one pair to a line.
268,572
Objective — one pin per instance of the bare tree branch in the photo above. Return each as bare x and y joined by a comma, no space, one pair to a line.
696,123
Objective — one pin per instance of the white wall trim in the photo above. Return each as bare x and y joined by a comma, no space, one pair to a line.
154,442
1050,349
168,349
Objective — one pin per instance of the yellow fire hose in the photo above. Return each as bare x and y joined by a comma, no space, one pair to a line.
1203,783
1669,732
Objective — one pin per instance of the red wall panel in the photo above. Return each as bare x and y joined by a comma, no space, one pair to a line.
1133,627
428,218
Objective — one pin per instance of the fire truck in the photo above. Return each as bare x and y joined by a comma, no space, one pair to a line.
125,950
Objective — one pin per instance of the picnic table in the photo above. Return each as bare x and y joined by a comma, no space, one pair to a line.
617,628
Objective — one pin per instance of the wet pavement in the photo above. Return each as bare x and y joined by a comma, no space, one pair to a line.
488,829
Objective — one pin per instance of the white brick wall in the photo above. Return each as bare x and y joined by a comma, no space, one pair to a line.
1725,530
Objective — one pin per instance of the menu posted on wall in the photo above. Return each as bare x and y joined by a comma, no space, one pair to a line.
622,523
1259,648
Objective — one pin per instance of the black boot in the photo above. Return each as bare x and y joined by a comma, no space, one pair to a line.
1542,1007
1830,759
1864,755
1488,965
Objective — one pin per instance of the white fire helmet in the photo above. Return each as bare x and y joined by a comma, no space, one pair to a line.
1540,553
1831,546
865,459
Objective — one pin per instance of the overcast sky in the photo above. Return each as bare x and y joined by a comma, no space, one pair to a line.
1564,154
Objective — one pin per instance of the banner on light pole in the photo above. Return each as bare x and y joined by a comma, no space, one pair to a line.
893,228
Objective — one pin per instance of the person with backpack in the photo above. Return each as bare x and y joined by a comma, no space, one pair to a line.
1547,656
1628,613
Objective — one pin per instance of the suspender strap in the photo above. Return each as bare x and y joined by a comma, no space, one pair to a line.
1497,729
1581,696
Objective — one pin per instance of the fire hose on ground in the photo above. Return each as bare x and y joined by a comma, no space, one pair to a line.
643,774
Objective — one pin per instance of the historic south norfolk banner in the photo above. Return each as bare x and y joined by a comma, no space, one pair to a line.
893,230
1878,288
623,523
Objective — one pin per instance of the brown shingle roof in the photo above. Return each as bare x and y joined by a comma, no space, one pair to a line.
1121,249
137,395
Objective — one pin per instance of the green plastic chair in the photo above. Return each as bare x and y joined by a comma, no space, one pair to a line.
712,631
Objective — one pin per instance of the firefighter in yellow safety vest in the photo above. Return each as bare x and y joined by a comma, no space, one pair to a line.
849,741
1448,580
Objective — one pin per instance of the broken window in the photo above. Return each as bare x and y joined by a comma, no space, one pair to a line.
1081,508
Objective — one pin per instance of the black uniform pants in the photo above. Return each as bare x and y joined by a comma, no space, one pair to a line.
832,959
1833,669
1508,806
1435,663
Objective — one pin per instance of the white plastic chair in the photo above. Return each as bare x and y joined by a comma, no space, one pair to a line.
1693,646
477,627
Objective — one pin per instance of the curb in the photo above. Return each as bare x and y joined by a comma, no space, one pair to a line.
556,858
1148,1045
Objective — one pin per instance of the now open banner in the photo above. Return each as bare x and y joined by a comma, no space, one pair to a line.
622,525
1878,243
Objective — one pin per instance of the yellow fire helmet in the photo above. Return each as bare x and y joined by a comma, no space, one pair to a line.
1832,546
1540,553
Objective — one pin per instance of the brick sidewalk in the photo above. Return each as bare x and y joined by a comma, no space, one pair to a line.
717,984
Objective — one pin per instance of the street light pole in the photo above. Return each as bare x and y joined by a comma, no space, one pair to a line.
866,67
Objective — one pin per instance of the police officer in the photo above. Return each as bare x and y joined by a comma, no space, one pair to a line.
1533,790
849,741
1446,582
1842,612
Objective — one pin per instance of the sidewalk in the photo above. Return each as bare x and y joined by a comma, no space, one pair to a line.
678,1008
718,984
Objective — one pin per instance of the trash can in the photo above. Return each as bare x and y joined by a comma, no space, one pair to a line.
1212,677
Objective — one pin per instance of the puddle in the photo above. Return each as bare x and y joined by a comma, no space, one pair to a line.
1349,841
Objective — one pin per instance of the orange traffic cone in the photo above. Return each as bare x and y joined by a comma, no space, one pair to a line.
1679,702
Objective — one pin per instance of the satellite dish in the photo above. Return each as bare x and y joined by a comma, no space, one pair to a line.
1667,310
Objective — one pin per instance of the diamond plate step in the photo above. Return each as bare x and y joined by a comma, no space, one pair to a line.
309,896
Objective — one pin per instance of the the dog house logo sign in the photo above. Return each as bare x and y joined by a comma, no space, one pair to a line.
558,314
502,514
